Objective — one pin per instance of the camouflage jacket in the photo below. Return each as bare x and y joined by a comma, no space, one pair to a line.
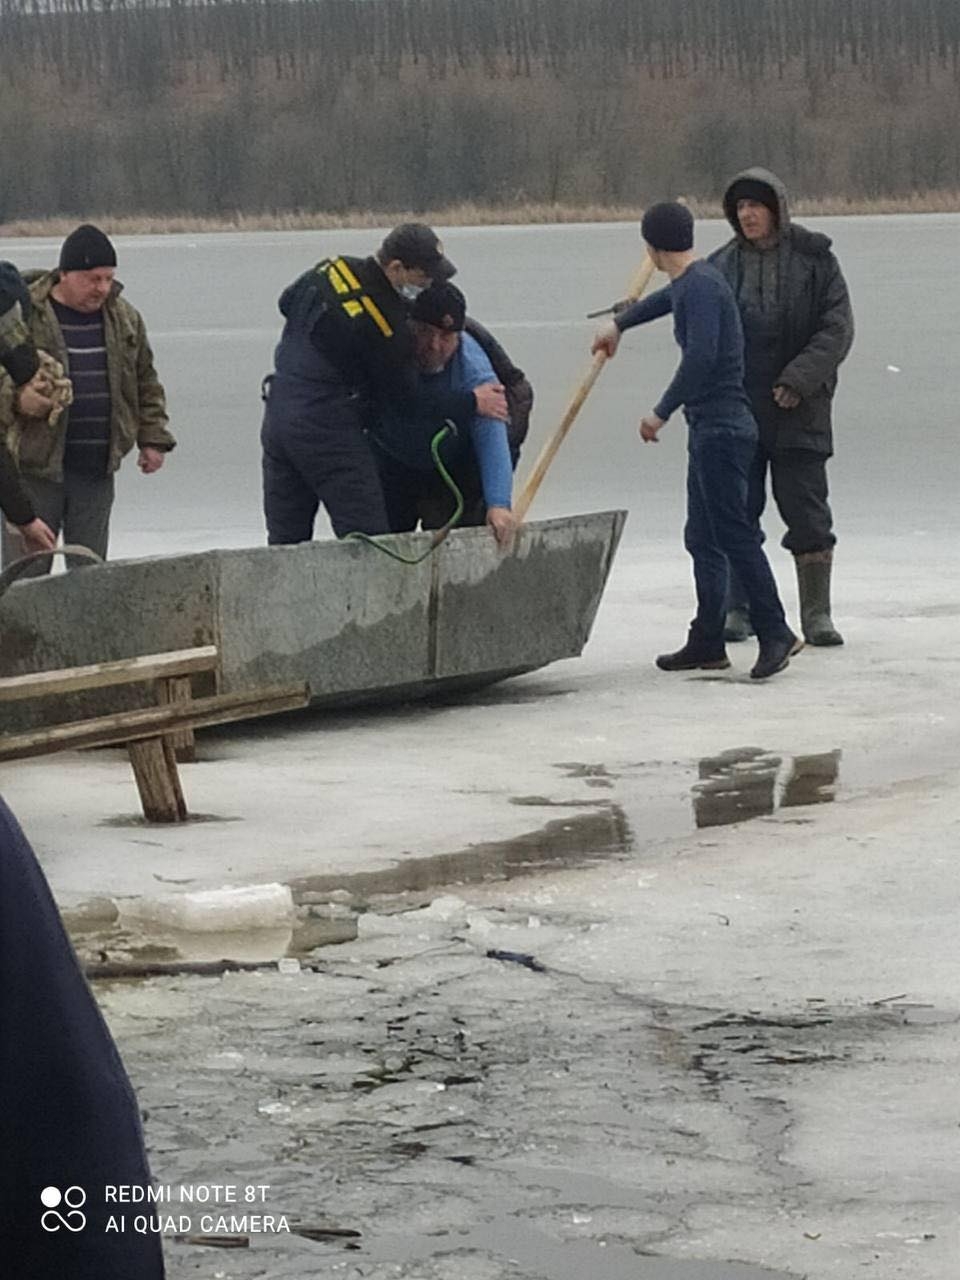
138,413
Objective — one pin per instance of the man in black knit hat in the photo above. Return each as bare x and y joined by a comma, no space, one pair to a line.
720,532
67,466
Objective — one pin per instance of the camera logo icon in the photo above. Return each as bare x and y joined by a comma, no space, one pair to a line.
72,1199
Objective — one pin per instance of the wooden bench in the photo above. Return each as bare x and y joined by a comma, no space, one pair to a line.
170,672
153,735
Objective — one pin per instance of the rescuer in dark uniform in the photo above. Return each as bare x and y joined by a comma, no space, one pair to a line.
345,350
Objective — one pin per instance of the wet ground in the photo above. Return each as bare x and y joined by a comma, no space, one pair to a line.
726,1055
499,1086
731,787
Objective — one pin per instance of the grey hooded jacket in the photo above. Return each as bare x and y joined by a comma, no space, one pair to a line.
797,319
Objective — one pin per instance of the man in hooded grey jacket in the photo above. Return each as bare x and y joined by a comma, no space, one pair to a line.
798,328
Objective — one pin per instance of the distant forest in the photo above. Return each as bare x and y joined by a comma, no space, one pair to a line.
212,107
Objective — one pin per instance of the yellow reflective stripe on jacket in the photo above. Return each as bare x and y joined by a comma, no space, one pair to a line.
352,298
347,274
378,317
337,280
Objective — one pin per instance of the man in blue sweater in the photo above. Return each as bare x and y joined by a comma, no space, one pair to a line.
450,362
722,441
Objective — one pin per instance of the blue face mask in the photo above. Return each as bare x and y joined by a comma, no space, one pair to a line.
411,291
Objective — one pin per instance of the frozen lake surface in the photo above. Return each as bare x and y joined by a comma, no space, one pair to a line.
210,304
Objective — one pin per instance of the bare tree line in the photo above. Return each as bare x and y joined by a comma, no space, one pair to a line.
209,107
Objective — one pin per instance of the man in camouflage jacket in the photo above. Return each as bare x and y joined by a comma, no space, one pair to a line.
79,317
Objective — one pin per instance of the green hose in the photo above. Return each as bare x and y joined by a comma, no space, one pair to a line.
440,534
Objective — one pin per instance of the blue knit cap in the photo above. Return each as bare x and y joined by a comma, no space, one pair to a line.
668,227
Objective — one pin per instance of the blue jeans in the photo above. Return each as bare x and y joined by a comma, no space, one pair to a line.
721,535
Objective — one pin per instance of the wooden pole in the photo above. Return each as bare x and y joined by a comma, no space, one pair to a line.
549,450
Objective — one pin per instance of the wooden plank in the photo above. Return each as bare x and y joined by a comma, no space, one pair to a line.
151,666
157,780
179,689
123,726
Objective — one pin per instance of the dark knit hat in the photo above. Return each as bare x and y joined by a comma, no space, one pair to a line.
668,227
417,245
442,305
85,249
752,189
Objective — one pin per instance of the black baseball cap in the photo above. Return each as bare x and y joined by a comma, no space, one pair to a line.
417,245
440,304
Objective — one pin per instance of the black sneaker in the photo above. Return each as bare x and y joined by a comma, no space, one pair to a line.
775,655
693,658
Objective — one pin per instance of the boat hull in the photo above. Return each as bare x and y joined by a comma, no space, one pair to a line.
355,624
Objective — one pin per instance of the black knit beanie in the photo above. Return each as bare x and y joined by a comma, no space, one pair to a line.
753,189
668,227
85,249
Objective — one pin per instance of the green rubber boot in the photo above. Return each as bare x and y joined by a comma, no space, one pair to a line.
813,582
737,626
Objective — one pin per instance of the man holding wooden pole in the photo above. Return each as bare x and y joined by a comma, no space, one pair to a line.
722,442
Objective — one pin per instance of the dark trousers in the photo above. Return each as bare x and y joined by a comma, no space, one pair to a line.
798,478
326,460
721,534
79,507
421,497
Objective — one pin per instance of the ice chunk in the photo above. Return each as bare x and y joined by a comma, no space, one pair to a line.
256,906
448,908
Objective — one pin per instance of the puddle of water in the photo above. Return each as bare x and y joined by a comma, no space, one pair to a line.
145,948
576,841
748,782
812,779
138,820
927,1015
576,769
